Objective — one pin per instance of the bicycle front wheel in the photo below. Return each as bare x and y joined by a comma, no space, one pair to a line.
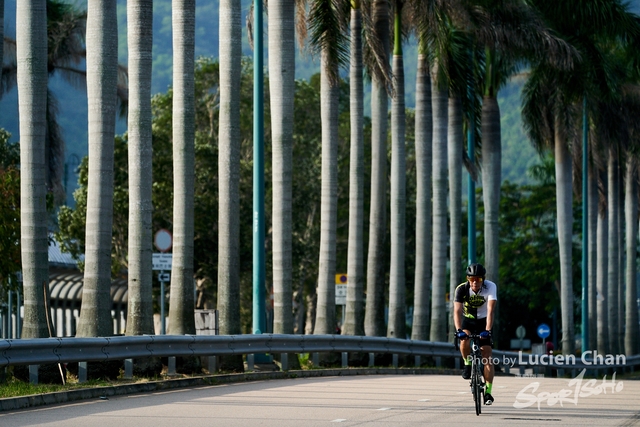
478,388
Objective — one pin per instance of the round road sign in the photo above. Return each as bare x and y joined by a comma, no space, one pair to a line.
543,330
163,240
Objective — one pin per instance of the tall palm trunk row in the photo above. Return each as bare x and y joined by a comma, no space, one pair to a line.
441,172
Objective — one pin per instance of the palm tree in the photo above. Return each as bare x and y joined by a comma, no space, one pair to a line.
593,258
397,306
66,49
613,205
229,168
140,37
423,137
327,33
439,95
588,28
32,90
601,278
374,314
555,136
102,81
354,316
282,86
181,303
631,221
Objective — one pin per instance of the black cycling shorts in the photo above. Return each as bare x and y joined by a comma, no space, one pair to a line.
475,326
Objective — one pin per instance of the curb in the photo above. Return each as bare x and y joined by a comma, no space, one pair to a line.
58,397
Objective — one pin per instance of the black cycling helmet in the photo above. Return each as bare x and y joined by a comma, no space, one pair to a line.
476,270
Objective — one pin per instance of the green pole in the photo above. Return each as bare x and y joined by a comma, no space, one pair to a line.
585,224
258,175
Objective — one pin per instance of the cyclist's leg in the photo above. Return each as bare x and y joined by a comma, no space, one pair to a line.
465,346
487,358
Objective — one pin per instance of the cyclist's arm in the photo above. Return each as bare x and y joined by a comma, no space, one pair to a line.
491,304
457,314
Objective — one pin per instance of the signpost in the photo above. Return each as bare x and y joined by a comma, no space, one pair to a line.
543,331
163,241
341,294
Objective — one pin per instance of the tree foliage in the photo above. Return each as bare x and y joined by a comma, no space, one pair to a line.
9,209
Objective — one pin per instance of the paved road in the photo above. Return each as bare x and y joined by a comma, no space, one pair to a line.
386,400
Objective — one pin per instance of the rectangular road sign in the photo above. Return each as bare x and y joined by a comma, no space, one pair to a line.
164,277
162,261
341,294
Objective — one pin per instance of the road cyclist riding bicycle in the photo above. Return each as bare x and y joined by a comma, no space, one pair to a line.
473,313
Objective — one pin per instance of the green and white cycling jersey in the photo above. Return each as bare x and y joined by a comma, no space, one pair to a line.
474,305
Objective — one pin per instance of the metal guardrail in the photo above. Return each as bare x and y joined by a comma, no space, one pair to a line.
65,350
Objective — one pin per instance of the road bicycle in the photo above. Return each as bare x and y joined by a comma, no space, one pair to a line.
477,373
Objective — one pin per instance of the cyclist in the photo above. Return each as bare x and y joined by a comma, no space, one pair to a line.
473,313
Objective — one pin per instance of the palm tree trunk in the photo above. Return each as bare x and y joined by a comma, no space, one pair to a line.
602,276
354,318
491,180
326,309
140,36
181,303
631,219
612,206
593,259
423,136
229,168
397,303
102,63
621,262
31,51
374,324
438,330
282,88
565,223
454,153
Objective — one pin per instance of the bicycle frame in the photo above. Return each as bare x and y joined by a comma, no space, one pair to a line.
477,373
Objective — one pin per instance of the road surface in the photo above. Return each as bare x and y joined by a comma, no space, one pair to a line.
381,400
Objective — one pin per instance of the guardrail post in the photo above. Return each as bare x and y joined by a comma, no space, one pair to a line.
250,362
456,362
345,359
395,360
284,362
372,359
128,368
211,365
560,373
438,361
416,361
82,372
33,374
315,358
171,368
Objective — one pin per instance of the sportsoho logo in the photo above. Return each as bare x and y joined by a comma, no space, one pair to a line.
530,396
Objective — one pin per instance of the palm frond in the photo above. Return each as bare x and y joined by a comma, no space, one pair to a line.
375,49
328,23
